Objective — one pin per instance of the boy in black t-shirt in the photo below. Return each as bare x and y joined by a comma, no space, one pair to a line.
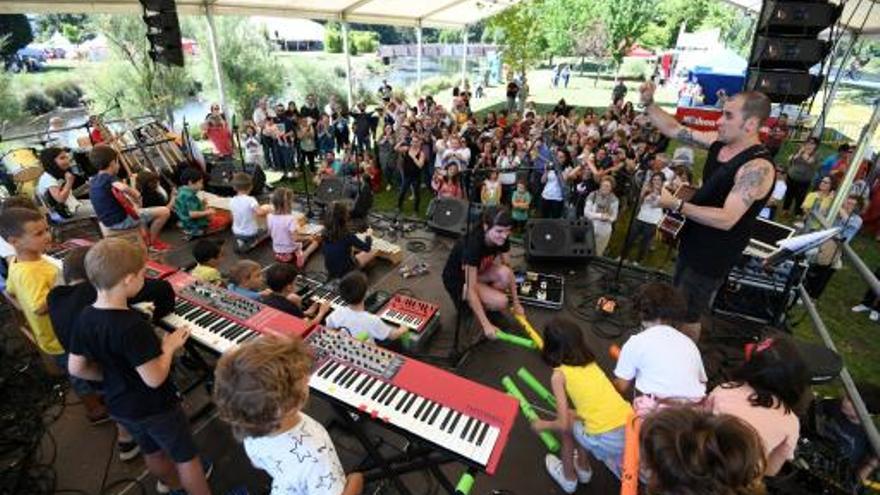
480,263
280,279
115,344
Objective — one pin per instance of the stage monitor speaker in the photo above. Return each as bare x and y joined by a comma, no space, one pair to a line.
788,53
784,86
559,239
331,189
163,32
449,216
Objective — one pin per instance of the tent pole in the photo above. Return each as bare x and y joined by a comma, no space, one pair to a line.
419,59
819,128
215,57
464,44
345,48
861,151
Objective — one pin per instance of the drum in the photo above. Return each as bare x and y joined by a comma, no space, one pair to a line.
19,159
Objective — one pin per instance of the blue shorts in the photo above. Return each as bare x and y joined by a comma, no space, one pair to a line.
145,218
606,447
168,431
80,386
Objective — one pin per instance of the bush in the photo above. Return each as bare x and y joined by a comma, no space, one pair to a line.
364,41
635,68
65,94
332,40
37,103
436,85
9,107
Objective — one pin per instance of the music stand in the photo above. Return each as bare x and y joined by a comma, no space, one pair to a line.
797,246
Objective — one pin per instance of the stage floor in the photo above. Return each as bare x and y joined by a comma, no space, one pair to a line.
84,451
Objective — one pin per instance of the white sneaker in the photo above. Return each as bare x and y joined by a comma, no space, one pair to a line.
584,475
861,308
554,468
874,316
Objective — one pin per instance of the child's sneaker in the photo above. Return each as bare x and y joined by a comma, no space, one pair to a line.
584,475
128,450
163,489
860,308
554,467
159,245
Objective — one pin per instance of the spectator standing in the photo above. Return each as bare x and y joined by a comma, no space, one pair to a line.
801,170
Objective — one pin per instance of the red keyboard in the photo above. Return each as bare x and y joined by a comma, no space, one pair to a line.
59,251
410,312
221,320
454,414
159,271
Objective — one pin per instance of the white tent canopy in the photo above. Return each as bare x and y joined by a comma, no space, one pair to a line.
427,13
286,28
855,13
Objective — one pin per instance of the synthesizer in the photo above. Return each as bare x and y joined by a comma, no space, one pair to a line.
159,271
410,312
221,320
386,250
451,413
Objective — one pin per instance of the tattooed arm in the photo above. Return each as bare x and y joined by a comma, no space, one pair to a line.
753,181
670,127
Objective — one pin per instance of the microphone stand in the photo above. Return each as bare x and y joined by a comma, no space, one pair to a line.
635,188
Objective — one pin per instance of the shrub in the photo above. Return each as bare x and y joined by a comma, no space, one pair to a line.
635,68
436,85
332,40
37,103
364,41
65,94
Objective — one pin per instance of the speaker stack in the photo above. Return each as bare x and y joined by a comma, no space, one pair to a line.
559,239
448,216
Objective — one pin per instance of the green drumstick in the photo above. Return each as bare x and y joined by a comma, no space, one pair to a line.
536,386
465,484
548,438
515,340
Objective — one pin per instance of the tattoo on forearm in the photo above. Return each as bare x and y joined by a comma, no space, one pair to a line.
748,184
686,136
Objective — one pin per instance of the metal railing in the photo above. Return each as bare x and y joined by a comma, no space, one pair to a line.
823,333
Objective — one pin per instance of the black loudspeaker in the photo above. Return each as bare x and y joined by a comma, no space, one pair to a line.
449,216
329,190
559,239
163,31
784,86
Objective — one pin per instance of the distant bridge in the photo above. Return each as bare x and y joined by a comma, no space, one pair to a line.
436,50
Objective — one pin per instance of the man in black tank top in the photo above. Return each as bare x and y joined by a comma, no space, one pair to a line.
738,178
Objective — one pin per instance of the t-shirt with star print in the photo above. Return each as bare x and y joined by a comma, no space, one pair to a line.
301,460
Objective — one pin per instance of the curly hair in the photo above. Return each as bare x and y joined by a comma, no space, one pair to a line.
690,452
259,383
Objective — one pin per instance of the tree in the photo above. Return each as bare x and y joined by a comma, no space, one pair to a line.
625,21
9,107
249,69
522,40
131,78
17,31
563,21
75,27
593,43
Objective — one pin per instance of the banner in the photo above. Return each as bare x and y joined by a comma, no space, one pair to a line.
698,119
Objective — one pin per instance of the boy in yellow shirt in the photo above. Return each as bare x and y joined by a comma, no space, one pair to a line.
207,254
31,276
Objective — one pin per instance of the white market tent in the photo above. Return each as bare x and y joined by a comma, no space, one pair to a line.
413,13
287,28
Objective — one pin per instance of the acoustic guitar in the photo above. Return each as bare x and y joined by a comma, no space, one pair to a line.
672,222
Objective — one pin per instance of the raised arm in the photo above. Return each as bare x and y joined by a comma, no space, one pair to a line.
668,125
753,181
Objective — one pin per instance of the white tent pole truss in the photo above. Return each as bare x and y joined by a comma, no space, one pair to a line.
215,59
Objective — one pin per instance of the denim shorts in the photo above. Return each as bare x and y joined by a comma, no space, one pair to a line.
145,216
168,431
606,447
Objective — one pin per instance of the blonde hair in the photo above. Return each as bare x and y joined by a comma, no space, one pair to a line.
242,269
111,260
259,383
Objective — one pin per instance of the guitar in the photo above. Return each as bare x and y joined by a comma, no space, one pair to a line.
672,222
126,202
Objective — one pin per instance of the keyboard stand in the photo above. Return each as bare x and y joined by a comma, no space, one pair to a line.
193,360
415,457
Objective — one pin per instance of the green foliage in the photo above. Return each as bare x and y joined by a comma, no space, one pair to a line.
131,77
304,79
248,67
9,107
521,36
563,23
635,68
625,21
75,27
66,94
696,15
365,41
17,31
332,38
37,103
438,84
